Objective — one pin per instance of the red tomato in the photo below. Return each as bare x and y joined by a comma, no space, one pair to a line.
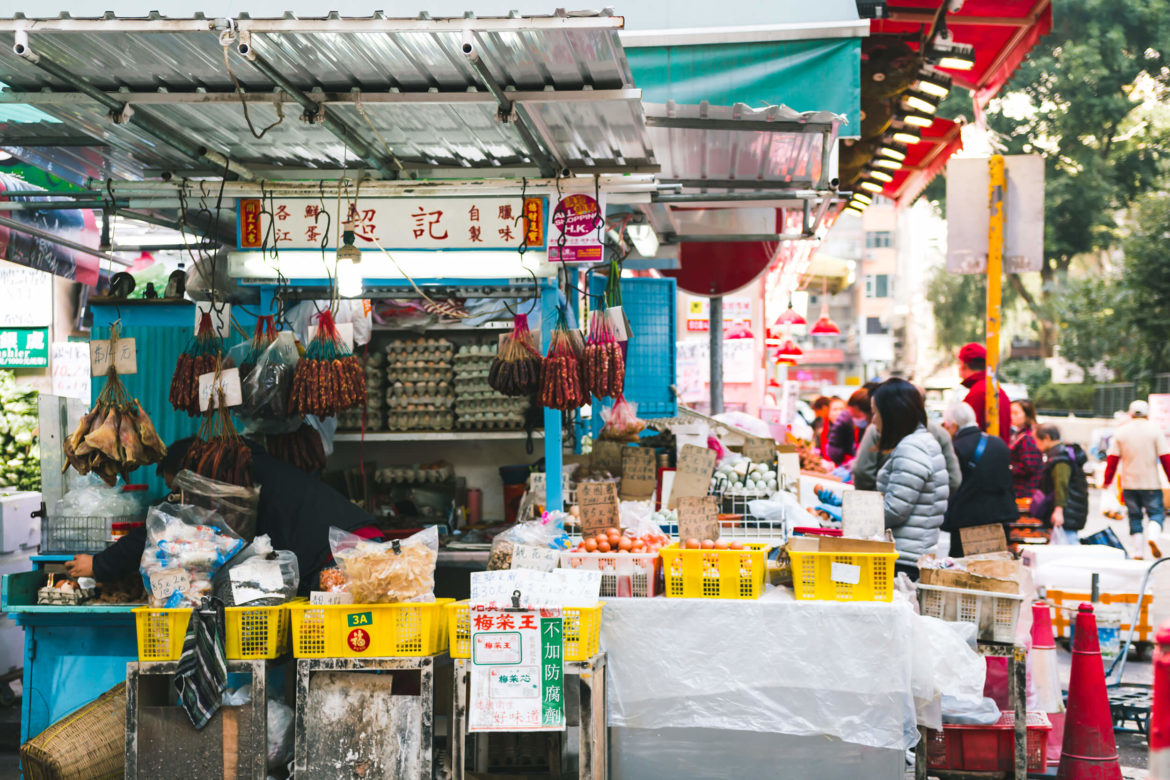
603,547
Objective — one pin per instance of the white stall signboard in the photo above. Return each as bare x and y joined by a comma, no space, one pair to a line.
517,670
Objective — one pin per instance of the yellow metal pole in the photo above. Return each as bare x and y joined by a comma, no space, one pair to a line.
996,190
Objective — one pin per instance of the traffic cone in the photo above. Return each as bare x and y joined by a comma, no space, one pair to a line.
1159,766
1046,678
1089,751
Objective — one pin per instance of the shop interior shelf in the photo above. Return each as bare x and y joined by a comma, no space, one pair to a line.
421,436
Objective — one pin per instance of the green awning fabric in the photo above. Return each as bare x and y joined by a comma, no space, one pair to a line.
812,75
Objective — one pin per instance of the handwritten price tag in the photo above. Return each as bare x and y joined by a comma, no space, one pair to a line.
760,451
693,476
529,556
698,518
221,317
599,507
607,456
638,474
125,361
229,381
164,582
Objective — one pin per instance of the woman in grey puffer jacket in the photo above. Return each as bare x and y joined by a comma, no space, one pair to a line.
914,479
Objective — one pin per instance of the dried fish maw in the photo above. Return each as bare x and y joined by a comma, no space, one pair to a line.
146,432
105,438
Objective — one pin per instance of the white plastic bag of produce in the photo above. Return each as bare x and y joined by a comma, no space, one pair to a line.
259,576
387,572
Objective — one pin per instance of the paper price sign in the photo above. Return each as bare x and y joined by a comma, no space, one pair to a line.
607,456
599,507
123,357
698,518
863,514
529,556
983,539
229,382
164,582
639,477
344,330
760,451
693,476
517,670
538,486
221,317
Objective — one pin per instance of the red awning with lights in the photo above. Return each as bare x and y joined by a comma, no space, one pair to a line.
1002,32
925,160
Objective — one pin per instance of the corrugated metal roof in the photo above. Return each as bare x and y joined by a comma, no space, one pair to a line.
416,70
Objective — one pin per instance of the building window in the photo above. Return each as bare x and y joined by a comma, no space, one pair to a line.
878,239
874,327
877,286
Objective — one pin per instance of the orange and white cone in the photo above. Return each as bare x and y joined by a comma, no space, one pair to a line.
1089,751
1159,766
1045,671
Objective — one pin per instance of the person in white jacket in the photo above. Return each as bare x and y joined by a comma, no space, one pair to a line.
914,478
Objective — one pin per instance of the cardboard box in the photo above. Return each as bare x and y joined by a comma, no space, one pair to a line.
956,578
838,544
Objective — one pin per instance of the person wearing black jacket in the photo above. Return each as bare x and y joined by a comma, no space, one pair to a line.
985,495
1065,502
296,511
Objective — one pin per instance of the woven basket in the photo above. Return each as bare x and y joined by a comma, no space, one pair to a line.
89,744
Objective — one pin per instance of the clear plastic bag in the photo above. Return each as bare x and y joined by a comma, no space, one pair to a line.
185,546
387,572
91,497
621,421
238,506
280,719
548,531
267,385
258,576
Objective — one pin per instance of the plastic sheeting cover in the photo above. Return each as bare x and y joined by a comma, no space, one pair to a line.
846,670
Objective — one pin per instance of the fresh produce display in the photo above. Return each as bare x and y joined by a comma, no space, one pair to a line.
621,422
744,478
516,370
605,365
613,540
328,379
115,437
562,386
711,544
302,448
810,460
220,453
201,356
20,460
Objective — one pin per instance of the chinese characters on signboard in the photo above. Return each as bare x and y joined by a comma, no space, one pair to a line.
517,670
27,295
395,223
24,347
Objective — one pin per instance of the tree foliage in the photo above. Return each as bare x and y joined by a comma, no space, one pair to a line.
1144,298
960,306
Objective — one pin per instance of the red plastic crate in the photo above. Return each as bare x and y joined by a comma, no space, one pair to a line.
987,748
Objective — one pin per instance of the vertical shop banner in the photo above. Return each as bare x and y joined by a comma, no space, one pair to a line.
24,347
517,670
27,297
578,223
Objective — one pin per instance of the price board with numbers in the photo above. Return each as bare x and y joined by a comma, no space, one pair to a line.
123,356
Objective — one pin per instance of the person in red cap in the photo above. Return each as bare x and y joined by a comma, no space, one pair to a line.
973,373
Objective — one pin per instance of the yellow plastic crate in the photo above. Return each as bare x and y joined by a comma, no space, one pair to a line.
251,633
813,576
715,574
368,630
582,630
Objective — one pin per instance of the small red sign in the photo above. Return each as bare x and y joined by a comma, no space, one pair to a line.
359,640
534,222
251,234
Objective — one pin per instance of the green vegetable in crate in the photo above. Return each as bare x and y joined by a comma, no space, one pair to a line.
18,434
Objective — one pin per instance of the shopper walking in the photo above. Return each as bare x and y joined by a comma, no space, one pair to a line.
985,496
870,458
1027,460
973,373
1063,499
822,421
1138,447
848,427
914,479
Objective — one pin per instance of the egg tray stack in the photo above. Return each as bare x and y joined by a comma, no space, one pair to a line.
420,394
374,365
477,405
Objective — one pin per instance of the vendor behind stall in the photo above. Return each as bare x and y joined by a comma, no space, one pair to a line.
296,511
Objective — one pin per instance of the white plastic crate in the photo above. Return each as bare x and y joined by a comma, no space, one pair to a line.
993,614
748,528
622,574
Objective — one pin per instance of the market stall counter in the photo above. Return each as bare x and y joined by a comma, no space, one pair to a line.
727,688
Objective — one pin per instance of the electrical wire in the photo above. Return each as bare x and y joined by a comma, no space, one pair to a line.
225,40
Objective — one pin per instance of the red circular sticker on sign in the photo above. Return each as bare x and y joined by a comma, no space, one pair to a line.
358,640
576,215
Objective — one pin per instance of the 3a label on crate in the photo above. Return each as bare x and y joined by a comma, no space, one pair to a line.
229,382
693,476
599,507
845,573
529,556
124,357
359,619
863,514
698,518
164,582
607,456
760,451
639,478
221,317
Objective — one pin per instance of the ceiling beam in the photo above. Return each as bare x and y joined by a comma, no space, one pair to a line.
377,23
739,125
56,98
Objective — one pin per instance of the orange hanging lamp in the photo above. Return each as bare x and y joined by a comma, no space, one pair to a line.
824,326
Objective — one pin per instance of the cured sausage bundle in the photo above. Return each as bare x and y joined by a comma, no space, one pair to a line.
329,379
516,369
201,356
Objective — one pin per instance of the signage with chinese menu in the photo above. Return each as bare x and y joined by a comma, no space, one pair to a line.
517,670
24,347
488,222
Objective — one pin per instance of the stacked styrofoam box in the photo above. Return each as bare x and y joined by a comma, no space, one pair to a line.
477,405
419,385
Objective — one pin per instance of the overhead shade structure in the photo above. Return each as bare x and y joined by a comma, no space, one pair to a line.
925,160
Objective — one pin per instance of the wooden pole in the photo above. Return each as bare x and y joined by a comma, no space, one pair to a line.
996,190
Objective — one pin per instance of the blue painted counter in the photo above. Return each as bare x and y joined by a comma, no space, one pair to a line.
71,654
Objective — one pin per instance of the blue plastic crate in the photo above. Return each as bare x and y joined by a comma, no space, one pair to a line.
649,305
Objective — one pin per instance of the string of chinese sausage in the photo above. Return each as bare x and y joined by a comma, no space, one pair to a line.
562,384
201,355
328,379
219,451
117,435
